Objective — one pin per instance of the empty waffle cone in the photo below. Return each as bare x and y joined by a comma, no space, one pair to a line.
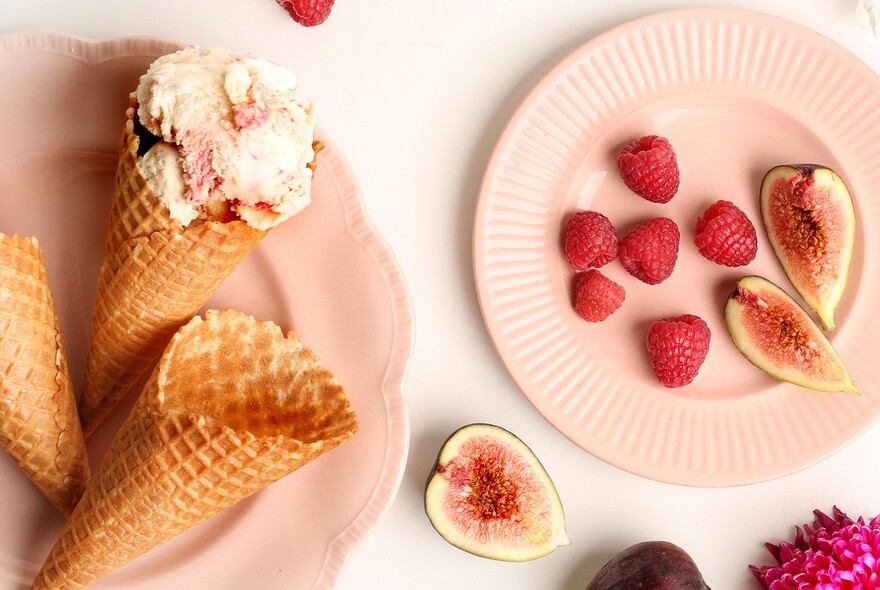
232,406
39,425
155,276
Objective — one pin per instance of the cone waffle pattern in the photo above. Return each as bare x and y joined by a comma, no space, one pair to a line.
155,276
39,425
232,406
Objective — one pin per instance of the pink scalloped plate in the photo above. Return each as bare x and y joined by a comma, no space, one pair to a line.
736,93
326,274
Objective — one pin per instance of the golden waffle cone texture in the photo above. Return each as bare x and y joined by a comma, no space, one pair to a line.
39,425
232,406
155,276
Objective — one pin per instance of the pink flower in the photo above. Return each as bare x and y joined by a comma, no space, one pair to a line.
834,553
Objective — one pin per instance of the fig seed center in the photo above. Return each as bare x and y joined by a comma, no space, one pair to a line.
494,492
803,219
806,229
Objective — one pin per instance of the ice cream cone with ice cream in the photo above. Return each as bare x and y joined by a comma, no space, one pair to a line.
39,425
232,406
217,149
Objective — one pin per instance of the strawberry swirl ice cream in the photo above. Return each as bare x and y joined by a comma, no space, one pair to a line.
235,137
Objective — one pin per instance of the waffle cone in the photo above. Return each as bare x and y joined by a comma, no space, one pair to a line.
155,276
39,425
232,406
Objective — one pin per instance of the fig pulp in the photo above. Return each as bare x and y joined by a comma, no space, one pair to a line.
775,333
810,221
489,495
652,565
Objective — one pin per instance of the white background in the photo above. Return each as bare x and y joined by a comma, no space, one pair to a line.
415,93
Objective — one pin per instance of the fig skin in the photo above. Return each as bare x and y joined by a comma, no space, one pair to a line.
510,502
651,565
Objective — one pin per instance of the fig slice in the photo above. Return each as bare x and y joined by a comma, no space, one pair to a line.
489,495
778,336
810,222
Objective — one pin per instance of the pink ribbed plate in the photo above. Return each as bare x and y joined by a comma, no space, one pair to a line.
326,273
736,93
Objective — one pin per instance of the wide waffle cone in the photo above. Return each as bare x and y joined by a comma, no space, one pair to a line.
155,276
232,406
39,425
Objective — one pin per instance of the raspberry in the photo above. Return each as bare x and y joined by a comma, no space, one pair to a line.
677,348
308,13
649,251
597,296
590,240
725,235
649,168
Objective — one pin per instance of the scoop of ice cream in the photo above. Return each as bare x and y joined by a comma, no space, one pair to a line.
234,130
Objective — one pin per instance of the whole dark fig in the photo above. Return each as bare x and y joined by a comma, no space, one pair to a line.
652,565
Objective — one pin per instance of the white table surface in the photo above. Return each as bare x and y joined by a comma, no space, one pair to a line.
416,93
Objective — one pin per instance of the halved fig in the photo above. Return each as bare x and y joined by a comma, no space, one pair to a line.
810,221
489,495
776,335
